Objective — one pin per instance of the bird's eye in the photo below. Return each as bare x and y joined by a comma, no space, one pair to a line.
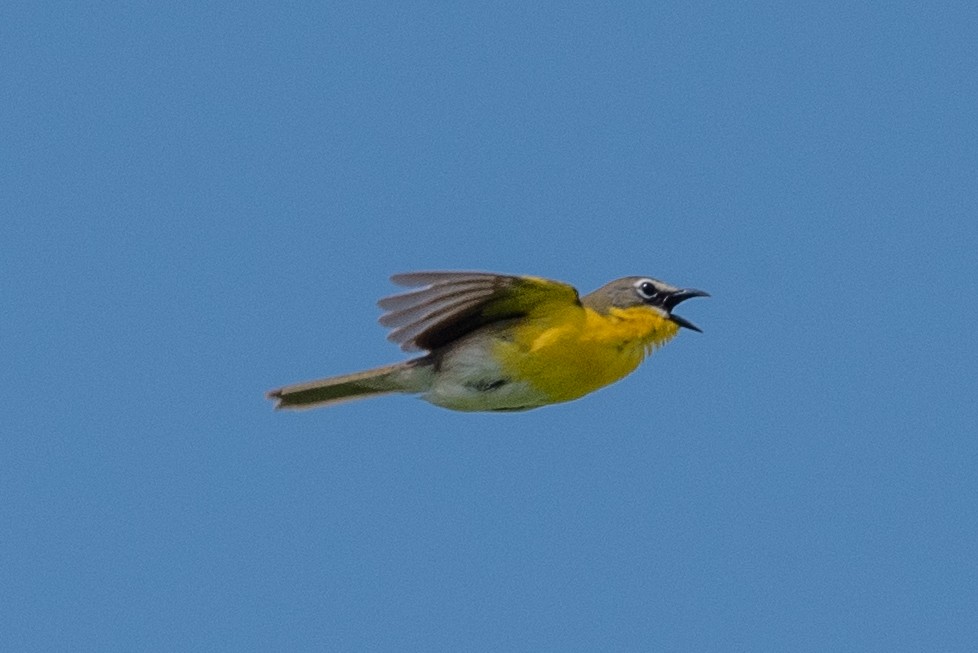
646,289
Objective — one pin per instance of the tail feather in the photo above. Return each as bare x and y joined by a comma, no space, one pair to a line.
399,377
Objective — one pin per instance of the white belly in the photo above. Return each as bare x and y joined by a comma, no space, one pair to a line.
468,379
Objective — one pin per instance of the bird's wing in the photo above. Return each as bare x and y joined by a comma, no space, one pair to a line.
449,305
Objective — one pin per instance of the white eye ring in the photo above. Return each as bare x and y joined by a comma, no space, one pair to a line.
646,288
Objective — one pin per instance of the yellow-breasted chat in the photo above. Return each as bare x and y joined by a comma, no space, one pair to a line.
505,342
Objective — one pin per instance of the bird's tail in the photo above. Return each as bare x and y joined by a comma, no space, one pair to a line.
409,376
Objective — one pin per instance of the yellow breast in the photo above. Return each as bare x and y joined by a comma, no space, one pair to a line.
570,353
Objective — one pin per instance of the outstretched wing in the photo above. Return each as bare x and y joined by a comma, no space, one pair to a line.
449,305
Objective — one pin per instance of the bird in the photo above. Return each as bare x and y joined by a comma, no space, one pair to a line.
502,342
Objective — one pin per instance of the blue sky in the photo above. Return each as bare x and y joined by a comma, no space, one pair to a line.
202,201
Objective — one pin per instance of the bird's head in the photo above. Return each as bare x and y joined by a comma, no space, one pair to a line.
630,292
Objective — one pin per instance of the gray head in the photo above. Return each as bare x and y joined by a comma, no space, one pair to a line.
628,292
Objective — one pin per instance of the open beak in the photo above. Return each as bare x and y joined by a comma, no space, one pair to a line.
675,299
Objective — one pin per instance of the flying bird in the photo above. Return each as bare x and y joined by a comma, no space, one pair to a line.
498,342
